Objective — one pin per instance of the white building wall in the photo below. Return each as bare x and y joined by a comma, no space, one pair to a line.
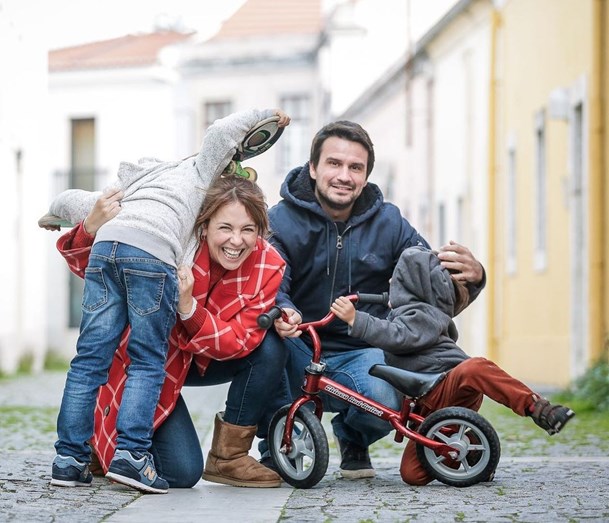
381,112
23,154
418,185
461,60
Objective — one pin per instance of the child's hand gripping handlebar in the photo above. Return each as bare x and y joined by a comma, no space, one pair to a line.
266,319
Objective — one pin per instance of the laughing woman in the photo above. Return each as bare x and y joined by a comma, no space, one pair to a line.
235,277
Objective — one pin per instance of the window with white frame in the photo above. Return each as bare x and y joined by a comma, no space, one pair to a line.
294,145
540,195
511,237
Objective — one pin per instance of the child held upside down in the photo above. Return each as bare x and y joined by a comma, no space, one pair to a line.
132,280
419,335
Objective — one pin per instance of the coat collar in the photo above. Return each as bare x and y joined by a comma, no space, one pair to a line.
239,276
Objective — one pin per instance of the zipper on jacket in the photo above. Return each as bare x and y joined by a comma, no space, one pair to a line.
339,246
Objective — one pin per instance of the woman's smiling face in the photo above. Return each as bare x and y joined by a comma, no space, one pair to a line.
231,235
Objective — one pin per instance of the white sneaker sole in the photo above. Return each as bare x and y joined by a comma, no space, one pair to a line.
133,483
65,483
358,474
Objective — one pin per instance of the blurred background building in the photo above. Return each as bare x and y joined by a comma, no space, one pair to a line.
489,121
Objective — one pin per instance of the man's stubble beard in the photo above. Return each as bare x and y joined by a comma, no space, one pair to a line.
331,204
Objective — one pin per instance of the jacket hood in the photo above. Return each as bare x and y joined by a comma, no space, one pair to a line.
419,277
299,189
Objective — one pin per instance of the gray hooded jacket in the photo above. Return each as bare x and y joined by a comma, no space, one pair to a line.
419,333
163,199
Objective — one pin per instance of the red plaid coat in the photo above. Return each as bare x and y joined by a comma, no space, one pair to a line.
223,327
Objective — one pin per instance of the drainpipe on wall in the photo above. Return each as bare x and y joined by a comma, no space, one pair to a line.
491,280
599,216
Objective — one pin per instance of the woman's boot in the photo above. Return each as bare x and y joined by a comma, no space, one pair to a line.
228,461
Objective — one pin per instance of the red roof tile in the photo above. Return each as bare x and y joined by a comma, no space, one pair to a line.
270,17
126,51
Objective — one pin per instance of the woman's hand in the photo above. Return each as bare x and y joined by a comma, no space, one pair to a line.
107,206
186,282
284,119
344,310
287,329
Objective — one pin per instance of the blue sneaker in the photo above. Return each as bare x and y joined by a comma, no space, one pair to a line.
68,472
138,473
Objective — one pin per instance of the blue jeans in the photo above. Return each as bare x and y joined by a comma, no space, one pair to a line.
123,286
349,368
254,379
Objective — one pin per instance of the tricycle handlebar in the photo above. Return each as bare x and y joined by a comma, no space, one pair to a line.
266,319
383,298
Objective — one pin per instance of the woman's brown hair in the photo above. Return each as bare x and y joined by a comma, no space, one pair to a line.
229,189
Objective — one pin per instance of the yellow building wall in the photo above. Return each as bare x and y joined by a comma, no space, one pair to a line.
599,186
541,45
603,7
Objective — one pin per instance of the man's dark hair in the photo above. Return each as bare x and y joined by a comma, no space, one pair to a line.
348,131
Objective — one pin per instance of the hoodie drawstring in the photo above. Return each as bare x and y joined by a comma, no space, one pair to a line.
349,262
327,249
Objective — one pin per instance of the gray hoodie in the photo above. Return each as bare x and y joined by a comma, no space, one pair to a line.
163,199
419,333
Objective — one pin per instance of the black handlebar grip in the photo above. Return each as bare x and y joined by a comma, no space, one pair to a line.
382,299
266,319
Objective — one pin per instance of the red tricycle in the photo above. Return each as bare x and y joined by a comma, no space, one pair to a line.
457,446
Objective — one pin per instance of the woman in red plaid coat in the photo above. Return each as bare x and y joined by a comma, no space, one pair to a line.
234,278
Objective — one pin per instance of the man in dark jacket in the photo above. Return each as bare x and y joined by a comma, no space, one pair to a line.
338,236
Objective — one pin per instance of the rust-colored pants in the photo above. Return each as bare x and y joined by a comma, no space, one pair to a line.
465,386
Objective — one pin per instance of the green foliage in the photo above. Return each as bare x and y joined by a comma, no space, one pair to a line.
590,392
26,363
55,362
23,427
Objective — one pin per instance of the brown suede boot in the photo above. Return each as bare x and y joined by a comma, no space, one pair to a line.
228,461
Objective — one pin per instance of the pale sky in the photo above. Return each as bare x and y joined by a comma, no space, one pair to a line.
64,23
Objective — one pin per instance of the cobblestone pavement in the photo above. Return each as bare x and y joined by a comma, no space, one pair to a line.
565,484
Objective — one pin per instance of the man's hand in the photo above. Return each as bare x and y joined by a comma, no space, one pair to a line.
344,310
107,206
461,262
288,329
